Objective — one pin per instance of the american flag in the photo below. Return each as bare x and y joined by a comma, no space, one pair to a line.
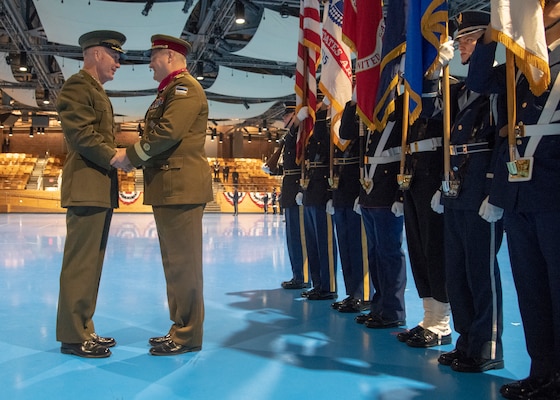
362,30
309,53
336,68
519,26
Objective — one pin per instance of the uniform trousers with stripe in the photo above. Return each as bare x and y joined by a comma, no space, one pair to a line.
295,241
351,245
473,282
387,264
532,239
321,247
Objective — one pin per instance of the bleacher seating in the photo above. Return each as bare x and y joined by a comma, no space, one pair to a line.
15,169
251,177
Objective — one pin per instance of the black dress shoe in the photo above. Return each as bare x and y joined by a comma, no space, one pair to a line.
380,323
338,304
471,364
450,356
154,341
170,348
427,338
362,318
352,306
293,284
322,296
104,341
308,292
88,349
404,336
528,388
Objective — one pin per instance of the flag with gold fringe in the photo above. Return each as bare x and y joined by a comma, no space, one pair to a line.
519,26
309,53
362,30
394,46
336,67
426,23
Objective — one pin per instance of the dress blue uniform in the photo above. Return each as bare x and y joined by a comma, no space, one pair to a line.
531,214
351,238
319,230
387,263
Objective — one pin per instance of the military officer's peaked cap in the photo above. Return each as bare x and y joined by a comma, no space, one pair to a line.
171,43
110,39
471,22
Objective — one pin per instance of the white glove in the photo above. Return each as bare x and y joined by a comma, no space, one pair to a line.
329,208
398,209
326,101
489,212
265,168
446,52
299,199
303,113
436,202
357,209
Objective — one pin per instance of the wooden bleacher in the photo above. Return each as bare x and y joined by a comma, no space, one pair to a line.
15,169
251,176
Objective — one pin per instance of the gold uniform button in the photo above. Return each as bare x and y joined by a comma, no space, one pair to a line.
460,127
519,141
524,104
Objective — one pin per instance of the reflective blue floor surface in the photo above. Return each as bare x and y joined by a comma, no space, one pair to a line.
261,342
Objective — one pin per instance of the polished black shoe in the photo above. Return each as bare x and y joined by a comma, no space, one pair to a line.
450,356
404,336
308,292
322,296
471,364
154,341
88,349
353,306
293,284
362,318
337,304
528,388
427,338
380,323
170,348
104,341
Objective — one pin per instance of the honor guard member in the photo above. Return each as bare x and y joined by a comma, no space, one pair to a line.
384,228
295,236
529,198
424,227
351,238
89,191
471,243
318,222
178,184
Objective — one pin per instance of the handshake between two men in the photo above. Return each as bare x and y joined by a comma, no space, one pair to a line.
120,160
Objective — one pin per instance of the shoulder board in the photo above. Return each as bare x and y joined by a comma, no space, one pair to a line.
183,90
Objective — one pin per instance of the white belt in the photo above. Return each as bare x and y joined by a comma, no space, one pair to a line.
387,156
424,145
468,148
538,130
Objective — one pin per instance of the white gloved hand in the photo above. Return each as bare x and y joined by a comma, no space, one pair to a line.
303,113
489,212
357,209
329,207
265,168
436,202
299,199
398,209
326,101
446,52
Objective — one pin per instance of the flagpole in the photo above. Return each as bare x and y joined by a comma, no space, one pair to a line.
446,124
401,177
302,125
511,104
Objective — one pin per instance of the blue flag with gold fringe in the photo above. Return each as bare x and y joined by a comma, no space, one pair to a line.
426,23
394,46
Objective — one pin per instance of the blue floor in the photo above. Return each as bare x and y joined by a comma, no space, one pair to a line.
261,342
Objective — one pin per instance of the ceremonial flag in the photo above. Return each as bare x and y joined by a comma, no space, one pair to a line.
394,46
309,52
426,22
336,67
519,26
362,30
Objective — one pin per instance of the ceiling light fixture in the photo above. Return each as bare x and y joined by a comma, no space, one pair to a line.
46,99
239,12
245,104
23,62
200,70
